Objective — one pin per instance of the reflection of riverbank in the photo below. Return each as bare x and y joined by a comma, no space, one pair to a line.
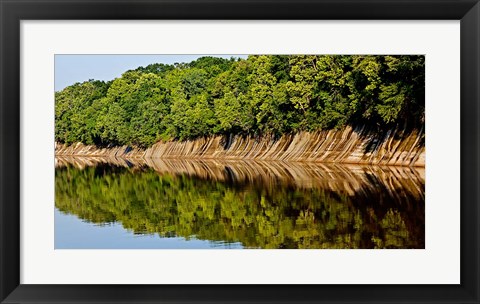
258,204
347,178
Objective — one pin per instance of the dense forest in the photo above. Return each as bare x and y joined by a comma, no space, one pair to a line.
265,94
257,214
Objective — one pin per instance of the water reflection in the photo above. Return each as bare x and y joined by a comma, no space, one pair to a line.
255,204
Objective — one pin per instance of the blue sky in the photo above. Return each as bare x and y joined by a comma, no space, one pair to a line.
70,69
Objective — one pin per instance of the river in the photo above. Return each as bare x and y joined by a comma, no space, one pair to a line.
233,204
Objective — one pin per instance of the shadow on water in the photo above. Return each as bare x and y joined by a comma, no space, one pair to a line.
259,204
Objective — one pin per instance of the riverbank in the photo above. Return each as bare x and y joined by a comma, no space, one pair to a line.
394,147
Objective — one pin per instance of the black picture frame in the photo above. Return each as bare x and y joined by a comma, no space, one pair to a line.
13,11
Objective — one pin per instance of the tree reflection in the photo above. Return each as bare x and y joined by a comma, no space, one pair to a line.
374,210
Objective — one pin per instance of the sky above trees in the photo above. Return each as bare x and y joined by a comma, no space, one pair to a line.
70,69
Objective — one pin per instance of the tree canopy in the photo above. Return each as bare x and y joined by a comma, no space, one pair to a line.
263,94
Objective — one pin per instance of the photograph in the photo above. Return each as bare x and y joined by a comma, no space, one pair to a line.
239,151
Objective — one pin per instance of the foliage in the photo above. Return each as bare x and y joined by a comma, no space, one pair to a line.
263,94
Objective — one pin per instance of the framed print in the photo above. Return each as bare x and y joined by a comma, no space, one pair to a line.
247,152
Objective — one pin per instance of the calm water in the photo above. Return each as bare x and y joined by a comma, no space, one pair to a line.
111,203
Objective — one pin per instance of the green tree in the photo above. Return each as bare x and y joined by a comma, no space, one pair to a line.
263,94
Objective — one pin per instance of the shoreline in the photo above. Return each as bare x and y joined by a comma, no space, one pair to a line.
348,146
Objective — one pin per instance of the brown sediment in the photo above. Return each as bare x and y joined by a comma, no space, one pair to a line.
395,147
